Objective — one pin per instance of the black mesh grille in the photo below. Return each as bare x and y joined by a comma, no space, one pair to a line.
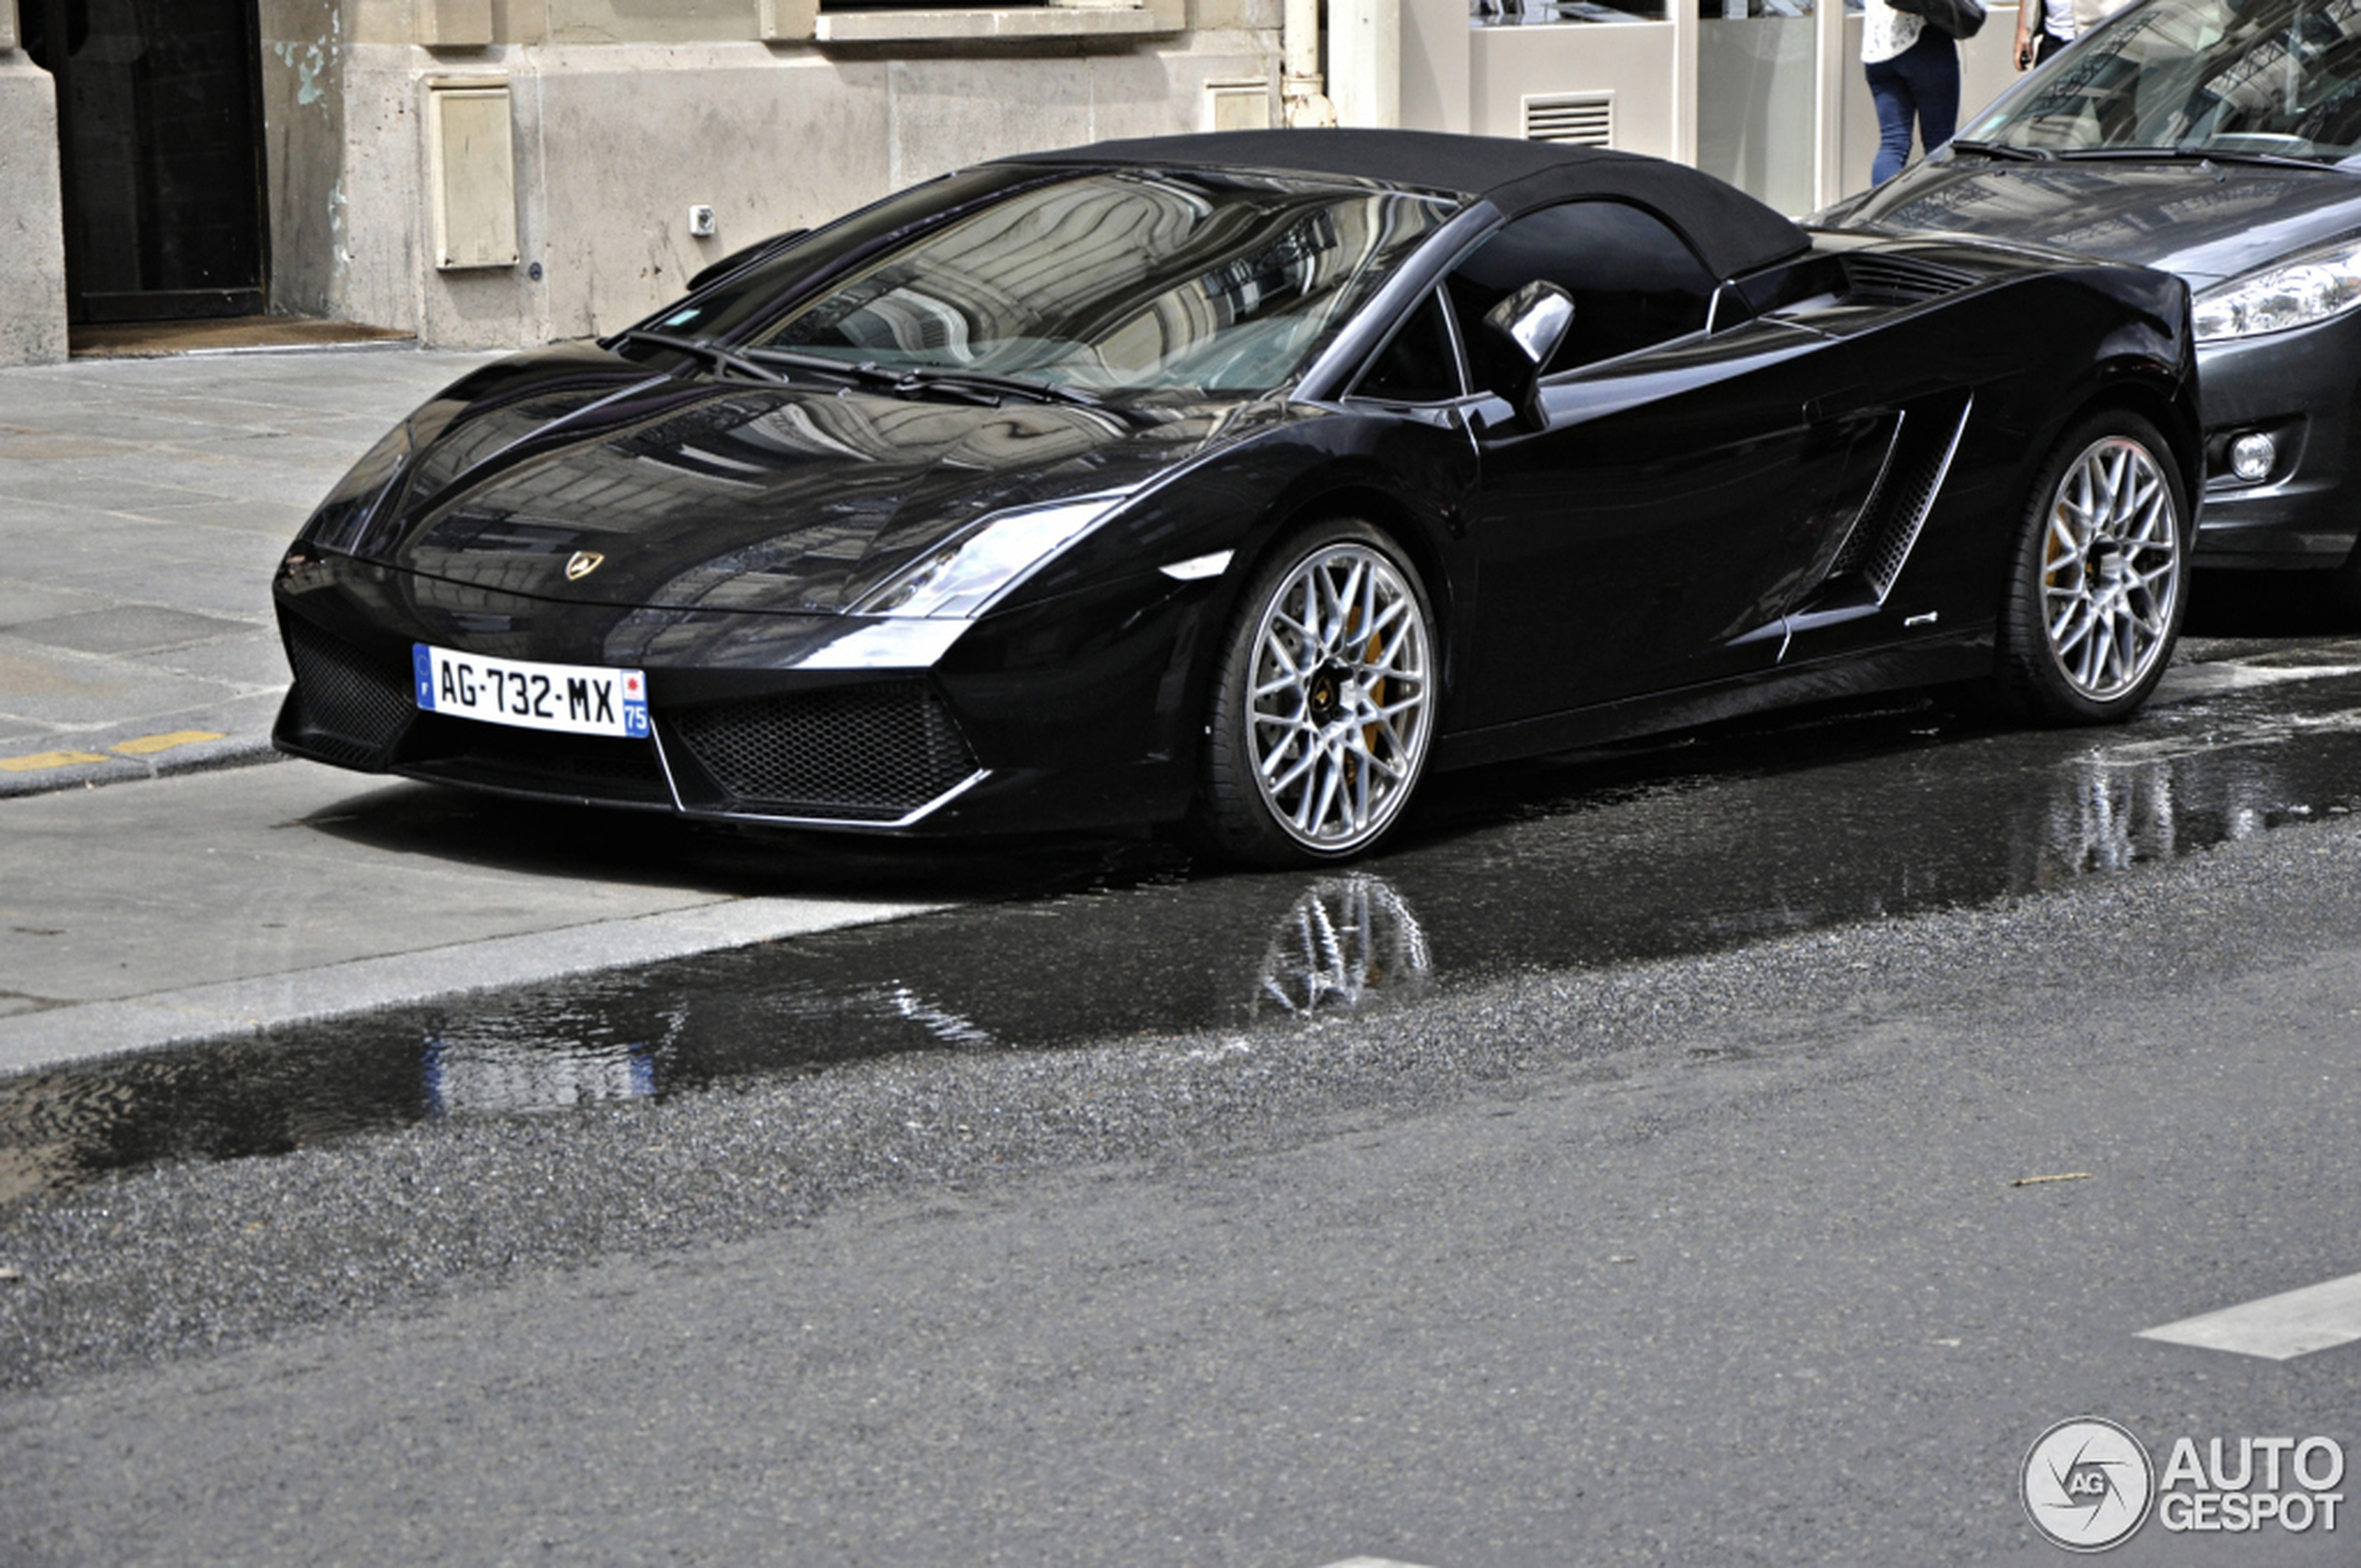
1874,279
1889,522
855,754
353,707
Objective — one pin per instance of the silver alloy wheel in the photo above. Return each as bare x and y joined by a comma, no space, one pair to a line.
2110,568
1337,705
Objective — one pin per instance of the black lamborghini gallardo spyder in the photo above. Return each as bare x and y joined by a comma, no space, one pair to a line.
1243,478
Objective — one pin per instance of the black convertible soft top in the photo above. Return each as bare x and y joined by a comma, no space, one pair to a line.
1732,233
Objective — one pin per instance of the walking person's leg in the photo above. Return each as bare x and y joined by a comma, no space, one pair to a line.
1932,67
1890,89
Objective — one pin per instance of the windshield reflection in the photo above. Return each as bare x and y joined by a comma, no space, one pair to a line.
1130,280
2258,78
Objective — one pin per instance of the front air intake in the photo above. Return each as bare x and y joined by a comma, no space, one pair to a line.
350,707
872,754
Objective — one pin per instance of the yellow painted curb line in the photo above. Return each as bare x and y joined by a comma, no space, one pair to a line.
40,759
144,746
148,746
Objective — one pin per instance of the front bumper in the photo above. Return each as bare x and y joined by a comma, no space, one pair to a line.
1066,716
2300,389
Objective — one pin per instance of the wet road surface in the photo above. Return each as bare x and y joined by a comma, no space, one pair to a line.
1623,1169
1639,853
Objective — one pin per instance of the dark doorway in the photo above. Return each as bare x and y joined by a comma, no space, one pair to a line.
159,118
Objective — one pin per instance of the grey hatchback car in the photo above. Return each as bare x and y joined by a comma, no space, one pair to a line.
2221,140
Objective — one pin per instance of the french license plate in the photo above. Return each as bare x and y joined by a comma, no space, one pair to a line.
572,699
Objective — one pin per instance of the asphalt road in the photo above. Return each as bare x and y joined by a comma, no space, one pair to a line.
1621,1171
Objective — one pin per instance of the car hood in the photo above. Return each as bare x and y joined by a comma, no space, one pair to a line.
2206,222
698,495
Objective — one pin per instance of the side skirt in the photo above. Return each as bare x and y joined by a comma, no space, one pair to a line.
1960,655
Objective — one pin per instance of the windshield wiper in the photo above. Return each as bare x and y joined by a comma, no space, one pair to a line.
2001,150
869,371
713,354
918,378
2192,154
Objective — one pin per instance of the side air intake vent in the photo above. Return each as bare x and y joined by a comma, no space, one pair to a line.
1571,119
1915,464
1875,278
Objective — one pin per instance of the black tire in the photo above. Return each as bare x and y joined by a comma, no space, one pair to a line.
1320,766
2098,576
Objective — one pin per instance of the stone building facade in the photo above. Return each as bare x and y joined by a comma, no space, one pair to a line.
498,172
506,172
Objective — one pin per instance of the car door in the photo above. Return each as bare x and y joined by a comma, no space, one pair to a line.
1653,527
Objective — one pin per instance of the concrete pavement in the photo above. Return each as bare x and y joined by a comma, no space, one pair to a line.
234,901
143,503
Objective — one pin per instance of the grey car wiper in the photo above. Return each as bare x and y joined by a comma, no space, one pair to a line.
2001,150
697,348
2193,154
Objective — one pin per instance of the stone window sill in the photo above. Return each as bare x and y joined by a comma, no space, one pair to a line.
980,23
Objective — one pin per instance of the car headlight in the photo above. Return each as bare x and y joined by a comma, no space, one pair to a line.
339,522
2310,288
971,571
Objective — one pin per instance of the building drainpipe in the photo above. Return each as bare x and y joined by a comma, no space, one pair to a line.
1299,85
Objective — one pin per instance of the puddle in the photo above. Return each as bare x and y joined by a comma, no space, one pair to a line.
1581,861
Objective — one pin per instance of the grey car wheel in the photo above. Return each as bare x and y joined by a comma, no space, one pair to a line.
2100,575
1324,704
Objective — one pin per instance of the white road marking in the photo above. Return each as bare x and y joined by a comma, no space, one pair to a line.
1371,1563
2294,1322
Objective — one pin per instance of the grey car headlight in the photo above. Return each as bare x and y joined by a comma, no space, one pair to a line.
965,575
2308,289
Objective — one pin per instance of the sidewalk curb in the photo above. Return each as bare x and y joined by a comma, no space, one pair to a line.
243,1008
203,756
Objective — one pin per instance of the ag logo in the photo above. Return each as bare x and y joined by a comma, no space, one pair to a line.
2087,1484
582,564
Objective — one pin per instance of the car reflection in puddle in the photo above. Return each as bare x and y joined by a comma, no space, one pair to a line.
1615,858
1347,941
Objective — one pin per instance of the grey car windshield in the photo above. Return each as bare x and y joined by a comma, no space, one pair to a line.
2228,77
1131,280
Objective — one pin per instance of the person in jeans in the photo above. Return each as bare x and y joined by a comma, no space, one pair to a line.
1914,73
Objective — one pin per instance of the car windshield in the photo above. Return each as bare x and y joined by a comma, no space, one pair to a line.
1124,280
2253,78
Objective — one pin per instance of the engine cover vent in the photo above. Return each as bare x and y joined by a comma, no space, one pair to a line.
1879,278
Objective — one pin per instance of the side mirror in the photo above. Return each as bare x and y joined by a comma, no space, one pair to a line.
1531,324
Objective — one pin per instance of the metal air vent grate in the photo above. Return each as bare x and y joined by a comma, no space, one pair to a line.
1871,278
1571,119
